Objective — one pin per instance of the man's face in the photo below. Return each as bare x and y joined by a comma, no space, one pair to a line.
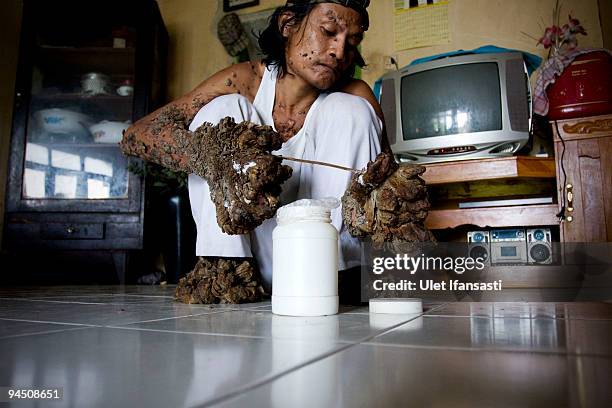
323,46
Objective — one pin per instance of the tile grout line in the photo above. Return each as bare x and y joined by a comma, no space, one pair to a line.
114,326
46,332
144,303
247,336
100,325
171,318
522,318
490,350
50,322
138,295
243,336
216,311
282,373
70,302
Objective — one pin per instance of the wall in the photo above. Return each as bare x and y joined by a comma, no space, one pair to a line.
195,51
605,18
10,10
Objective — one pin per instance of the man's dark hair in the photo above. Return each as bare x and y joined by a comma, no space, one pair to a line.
272,43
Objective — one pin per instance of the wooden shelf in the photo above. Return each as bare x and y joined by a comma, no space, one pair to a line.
74,96
489,169
532,215
87,50
108,60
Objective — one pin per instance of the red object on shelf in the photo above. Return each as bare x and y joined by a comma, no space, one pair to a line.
583,89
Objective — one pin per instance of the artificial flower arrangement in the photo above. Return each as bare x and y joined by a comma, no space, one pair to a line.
559,38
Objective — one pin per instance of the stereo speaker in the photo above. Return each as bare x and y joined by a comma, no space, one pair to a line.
539,246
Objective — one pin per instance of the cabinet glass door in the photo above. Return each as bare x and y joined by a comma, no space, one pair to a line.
81,101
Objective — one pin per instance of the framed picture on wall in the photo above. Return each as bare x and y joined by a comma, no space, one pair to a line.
231,5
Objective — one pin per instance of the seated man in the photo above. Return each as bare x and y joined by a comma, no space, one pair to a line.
304,89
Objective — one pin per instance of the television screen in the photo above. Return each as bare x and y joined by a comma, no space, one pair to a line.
455,99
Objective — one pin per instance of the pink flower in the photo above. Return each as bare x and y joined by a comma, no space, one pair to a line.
549,36
575,27
565,30
559,39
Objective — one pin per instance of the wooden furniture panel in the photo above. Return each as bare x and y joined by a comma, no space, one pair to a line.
529,215
605,148
592,191
489,169
584,147
571,171
505,171
583,128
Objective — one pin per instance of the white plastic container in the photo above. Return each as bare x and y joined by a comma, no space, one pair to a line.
305,259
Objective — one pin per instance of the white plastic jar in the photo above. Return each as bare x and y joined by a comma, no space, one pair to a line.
305,259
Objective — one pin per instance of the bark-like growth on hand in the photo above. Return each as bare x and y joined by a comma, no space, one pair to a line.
244,177
387,202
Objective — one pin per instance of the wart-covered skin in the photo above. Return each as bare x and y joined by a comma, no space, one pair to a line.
154,137
388,203
219,280
243,199
244,177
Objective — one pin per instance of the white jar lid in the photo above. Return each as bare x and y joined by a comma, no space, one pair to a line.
396,305
306,210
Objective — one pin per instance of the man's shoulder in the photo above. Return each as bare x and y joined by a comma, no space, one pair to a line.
357,87
242,78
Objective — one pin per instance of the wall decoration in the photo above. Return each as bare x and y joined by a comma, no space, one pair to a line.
231,5
420,23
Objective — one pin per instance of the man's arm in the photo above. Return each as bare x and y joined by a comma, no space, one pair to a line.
360,88
154,137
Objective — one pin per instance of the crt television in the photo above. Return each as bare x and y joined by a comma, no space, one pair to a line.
462,107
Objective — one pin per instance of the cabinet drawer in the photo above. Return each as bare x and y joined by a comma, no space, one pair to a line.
57,230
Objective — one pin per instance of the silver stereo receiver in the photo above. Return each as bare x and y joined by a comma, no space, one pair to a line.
508,246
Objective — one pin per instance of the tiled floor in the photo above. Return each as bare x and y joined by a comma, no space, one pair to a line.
135,347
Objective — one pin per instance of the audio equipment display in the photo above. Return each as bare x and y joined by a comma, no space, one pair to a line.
511,246
539,246
508,246
479,245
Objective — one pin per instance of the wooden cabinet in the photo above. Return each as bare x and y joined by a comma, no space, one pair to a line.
504,177
85,72
583,149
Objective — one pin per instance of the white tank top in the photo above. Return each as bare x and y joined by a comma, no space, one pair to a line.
294,147
298,146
